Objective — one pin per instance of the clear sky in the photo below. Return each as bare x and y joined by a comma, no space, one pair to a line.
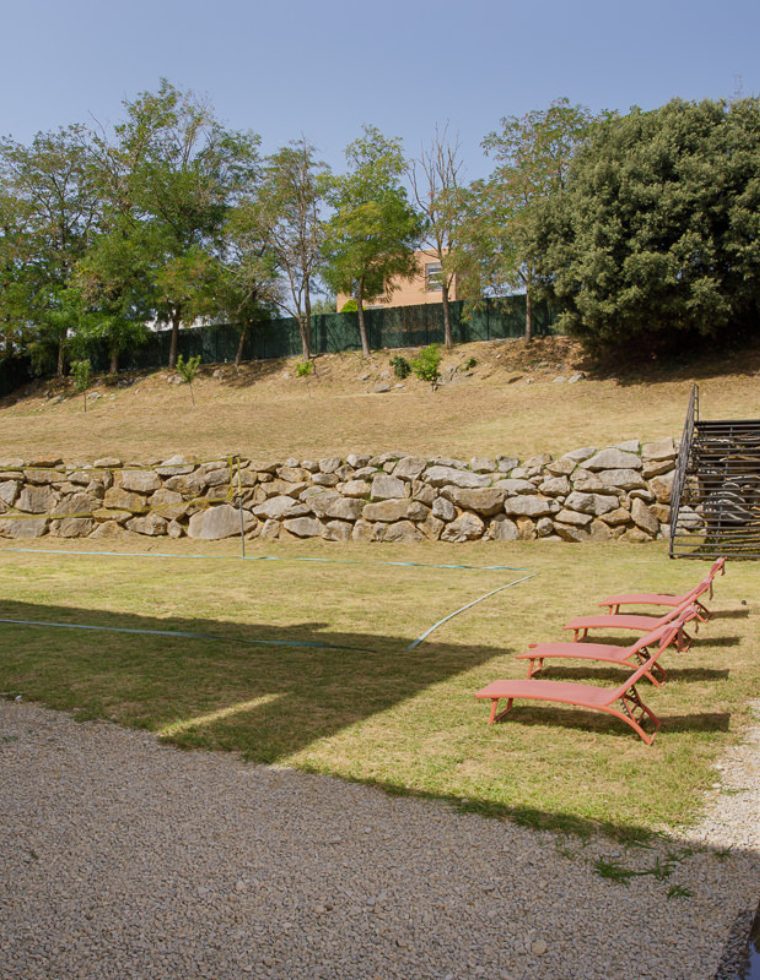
323,68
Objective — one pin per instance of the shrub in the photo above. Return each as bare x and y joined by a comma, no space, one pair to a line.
187,370
469,364
425,365
401,367
350,306
81,372
304,369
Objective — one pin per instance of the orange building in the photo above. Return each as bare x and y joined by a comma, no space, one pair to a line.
424,287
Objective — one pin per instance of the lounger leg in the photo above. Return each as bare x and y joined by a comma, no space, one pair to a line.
532,669
630,701
658,675
494,705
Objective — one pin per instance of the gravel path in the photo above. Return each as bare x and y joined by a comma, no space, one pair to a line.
121,857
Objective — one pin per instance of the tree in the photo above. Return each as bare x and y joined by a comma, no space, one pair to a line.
289,207
15,298
180,172
371,237
435,177
532,155
54,181
657,232
248,285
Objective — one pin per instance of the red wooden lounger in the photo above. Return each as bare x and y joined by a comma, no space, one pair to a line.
621,702
641,624
614,602
631,656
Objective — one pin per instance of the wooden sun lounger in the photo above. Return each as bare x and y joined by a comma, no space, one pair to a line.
623,702
610,653
641,624
614,602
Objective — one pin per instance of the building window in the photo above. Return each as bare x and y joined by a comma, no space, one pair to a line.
433,277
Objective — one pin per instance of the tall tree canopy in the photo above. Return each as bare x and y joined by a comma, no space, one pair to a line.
182,172
657,232
371,237
532,155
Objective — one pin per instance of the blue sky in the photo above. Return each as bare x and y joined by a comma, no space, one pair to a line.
323,68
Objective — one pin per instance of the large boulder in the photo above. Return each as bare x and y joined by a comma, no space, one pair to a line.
336,530
591,503
345,509
443,509
116,498
514,486
151,524
574,518
441,476
137,481
663,449
31,527
662,487
276,508
319,499
467,527
216,522
43,475
533,506
395,510
402,531
622,479
9,491
37,500
556,486
77,505
612,459
643,518
304,527
355,488
73,527
385,487
409,468
502,529
486,501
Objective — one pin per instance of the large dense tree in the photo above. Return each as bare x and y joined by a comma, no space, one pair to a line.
371,237
436,179
532,154
657,232
52,182
288,210
182,172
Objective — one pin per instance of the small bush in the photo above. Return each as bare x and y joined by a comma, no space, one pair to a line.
304,369
469,364
81,372
350,306
426,364
401,367
187,370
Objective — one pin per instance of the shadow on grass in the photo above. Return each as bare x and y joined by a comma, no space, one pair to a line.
730,614
228,691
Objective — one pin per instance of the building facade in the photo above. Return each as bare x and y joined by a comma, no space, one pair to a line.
423,287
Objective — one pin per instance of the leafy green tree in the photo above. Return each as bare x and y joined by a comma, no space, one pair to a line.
442,198
657,233
289,207
179,172
188,371
82,373
532,155
371,237
53,181
15,298
248,284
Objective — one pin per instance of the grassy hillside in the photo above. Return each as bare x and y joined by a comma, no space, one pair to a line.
509,402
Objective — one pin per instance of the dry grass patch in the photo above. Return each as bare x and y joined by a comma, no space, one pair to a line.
266,411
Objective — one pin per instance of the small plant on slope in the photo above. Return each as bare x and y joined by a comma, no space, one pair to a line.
427,363
188,370
82,373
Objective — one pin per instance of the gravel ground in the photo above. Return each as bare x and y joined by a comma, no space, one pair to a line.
121,857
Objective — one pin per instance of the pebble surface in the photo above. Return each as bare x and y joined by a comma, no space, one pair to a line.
122,857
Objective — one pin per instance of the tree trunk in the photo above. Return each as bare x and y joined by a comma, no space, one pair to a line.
61,356
303,329
528,313
114,368
447,339
241,345
175,322
306,338
360,317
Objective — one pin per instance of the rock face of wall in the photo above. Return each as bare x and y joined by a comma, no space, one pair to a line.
620,492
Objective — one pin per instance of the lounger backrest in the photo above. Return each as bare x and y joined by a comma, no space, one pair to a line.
653,636
663,636
686,609
717,567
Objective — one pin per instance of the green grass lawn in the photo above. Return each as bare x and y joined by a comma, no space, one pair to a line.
362,706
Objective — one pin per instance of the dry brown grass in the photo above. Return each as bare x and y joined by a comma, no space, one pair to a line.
260,411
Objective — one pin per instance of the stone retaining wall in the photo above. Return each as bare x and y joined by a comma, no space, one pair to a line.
599,494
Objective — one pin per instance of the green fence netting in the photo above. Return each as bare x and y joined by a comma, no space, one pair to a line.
388,327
